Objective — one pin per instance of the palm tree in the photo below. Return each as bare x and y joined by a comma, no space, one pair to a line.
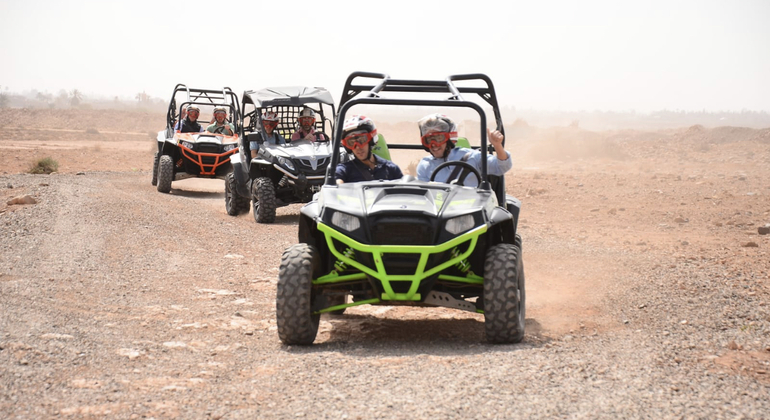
75,97
142,97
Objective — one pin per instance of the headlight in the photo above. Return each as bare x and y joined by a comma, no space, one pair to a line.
229,147
459,224
345,221
286,162
187,144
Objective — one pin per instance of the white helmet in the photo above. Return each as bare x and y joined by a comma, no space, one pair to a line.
358,130
307,112
270,116
304,115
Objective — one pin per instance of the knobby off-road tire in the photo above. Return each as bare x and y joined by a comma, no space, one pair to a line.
155,170
234,203
263,199
504,294
165,173
294,297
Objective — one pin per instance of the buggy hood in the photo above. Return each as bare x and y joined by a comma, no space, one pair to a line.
205,137
312,152
405,197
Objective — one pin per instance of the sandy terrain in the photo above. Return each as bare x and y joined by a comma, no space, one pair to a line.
648,288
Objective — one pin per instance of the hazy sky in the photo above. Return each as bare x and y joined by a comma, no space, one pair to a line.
546,55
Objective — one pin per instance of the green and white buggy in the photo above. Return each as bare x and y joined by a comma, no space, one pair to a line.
407,242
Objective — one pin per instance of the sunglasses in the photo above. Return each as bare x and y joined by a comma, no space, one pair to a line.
306,120
354,141
436,139
270,123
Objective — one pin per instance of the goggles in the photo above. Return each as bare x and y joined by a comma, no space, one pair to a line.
306,120
220,112
193,111
437,139
356,140
270,123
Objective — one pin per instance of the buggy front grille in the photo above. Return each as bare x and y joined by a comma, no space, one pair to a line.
306,165
208,157
402,231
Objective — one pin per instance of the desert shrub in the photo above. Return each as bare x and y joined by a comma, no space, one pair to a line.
45,165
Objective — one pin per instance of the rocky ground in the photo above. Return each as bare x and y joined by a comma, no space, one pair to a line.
648,291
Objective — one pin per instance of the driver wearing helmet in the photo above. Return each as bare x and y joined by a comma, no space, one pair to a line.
306,130
439,135
190,122
268,134
220,126
359,135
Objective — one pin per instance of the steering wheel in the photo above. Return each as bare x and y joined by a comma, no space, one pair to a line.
467,169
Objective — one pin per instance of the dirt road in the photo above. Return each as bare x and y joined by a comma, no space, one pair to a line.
647,296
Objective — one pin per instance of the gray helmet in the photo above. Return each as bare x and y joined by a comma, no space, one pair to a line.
438,123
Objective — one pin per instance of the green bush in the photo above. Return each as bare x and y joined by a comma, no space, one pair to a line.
45,165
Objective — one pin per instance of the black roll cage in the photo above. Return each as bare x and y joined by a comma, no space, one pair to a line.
351,96
225,97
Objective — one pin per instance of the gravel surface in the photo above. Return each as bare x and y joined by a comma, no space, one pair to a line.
644,301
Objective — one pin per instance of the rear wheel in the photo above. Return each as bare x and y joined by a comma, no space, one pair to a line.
263,200
155,170
234,203
504,294
294,298
165,173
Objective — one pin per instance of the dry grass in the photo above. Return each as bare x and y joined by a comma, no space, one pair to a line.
45,165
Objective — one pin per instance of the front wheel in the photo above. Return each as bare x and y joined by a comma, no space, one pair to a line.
165,173
234,203
504,294
294,298
263,199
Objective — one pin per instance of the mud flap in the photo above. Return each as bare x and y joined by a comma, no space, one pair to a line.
242,186
513,205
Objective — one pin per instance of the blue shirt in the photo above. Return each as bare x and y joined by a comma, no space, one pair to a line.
351,171
495,166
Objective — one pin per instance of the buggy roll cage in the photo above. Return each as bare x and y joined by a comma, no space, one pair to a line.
285,101
352,95
225,97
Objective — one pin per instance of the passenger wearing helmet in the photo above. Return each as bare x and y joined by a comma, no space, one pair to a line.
359,135
220,126
190,122
306,130
268,134
438,134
